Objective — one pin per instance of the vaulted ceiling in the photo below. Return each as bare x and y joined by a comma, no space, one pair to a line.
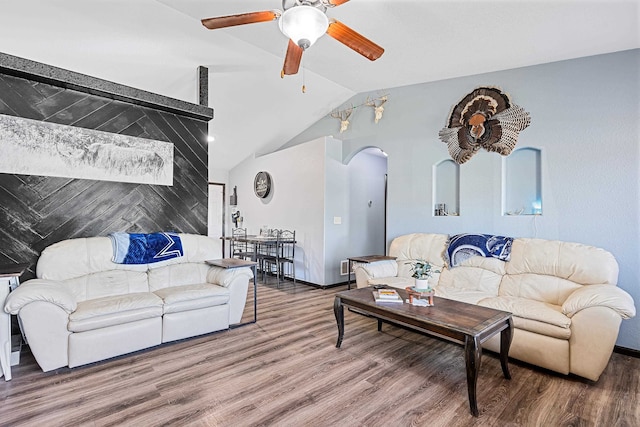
156,45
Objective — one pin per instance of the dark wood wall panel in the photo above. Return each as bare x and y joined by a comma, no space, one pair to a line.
37,211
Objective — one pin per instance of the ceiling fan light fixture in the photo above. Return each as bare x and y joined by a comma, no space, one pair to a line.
303,24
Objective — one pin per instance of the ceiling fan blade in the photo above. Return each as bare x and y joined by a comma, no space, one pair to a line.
292,60
337,2
241,19
354,40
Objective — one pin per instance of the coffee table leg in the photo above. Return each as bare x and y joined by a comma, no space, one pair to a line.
338,310
472,354
506,336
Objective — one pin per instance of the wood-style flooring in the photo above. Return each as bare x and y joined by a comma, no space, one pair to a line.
286,371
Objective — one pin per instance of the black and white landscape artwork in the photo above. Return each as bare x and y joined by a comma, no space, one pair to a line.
32,147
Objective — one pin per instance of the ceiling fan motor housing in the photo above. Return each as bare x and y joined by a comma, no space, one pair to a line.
304,24
320,4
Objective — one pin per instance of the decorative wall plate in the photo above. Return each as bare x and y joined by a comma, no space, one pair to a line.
262,184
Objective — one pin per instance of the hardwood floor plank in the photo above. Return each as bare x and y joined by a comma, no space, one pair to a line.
285,370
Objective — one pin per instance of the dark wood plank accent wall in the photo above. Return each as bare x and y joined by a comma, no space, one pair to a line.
36,211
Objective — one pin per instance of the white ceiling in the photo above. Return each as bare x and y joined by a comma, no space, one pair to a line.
156,45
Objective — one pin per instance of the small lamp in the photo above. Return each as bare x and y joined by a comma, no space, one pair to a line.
303,24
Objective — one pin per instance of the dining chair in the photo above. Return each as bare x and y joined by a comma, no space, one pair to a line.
267,253
286,261
279,258
240,247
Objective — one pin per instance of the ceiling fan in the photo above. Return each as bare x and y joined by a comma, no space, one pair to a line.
303,22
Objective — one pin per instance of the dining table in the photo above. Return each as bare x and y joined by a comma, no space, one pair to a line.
261,243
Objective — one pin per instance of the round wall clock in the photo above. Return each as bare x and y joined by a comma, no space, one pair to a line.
262,184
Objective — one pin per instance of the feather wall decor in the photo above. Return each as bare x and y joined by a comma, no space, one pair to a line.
485,118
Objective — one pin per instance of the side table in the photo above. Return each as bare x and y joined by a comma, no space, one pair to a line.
239,263
9,280
366,260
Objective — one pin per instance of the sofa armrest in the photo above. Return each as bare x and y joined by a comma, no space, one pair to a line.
226,276
387,268
366,271
594,332
33,290
600,296
236,280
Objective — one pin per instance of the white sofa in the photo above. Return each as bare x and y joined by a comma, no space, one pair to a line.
83,307
563,296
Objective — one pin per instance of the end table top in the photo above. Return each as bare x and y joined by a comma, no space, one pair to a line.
13,270
231,263
370,258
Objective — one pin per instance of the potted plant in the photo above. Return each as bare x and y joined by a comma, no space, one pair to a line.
422,270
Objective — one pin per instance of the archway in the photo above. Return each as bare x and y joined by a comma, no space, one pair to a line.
367,181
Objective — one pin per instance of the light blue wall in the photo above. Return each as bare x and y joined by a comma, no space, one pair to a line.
366,204
336,197
348,190
585,120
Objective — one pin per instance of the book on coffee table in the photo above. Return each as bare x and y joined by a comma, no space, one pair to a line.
388,293
387,296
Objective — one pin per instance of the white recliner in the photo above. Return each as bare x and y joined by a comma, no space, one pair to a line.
83,307
566,307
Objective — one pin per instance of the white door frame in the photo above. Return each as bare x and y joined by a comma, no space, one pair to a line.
216,214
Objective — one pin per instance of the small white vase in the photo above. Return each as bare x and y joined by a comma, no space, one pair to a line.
422,284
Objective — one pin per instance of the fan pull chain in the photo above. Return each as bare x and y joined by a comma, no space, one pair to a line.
304,87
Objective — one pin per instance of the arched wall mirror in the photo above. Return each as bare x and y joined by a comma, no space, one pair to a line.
446,188
522,182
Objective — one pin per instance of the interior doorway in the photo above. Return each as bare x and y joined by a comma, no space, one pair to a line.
368,202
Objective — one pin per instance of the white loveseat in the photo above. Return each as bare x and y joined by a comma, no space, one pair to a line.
563,296
83,307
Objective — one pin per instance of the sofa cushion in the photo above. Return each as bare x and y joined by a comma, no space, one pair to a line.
462,295
538,287
428,247
196,249
73,258
474,274
534,316
576,262
107,283
78,257
114,310
192,297
172,275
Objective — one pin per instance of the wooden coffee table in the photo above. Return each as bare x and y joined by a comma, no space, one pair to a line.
463,323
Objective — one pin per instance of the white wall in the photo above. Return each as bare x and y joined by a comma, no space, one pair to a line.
296,201
585,120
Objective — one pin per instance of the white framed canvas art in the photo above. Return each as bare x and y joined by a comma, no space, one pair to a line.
33,147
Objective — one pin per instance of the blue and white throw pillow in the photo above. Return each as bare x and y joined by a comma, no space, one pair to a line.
463,246
138,248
